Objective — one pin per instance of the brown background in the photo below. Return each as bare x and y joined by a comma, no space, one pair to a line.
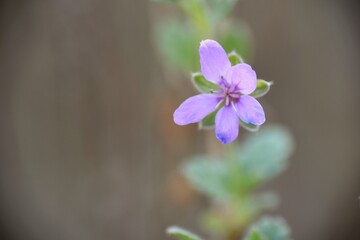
88,147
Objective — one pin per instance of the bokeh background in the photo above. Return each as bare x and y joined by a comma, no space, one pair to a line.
87,143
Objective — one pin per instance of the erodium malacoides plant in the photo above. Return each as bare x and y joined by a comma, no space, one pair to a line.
229,91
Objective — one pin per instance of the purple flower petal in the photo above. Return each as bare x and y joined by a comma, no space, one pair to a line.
213,60
249,110
195,108
226,124
243,76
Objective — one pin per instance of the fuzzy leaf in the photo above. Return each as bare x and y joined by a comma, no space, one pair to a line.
181,233
220,8
273,228
197,16
255,234
203,85
262,88
178,44
264,155
208,176
236,37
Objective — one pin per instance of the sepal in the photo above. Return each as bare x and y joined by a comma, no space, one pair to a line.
248,126
235,58
262,88
203,85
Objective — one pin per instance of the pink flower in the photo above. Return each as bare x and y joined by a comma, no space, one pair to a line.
235,84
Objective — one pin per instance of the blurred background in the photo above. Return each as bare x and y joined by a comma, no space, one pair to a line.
88,146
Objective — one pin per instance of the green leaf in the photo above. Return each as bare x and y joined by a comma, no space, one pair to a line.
208,176
255,234
197,15
264,155
235,58
273,228
178,45
262,88
249,127
220,8
181,233
203,85
236,37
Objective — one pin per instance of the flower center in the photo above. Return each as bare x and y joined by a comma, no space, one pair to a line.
229,92
230,97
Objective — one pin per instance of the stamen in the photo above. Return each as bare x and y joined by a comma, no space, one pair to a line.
232,88
236,91
227,100
234,95
234,107
220,102
225,82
